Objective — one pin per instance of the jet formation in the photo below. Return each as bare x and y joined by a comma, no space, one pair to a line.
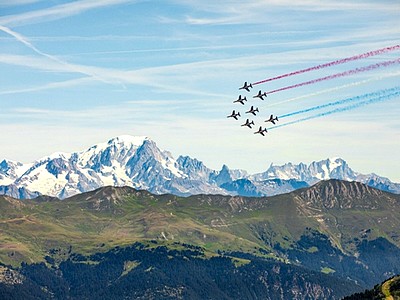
253,110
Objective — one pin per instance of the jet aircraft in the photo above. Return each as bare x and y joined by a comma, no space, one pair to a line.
246,87
252,110
272,119
234,115
240,100
261,131
260,95
248,123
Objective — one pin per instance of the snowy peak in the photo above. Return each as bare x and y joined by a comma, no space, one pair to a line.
118,149
331,168
335,168
122,161
285,172
193,168
137,162
10,171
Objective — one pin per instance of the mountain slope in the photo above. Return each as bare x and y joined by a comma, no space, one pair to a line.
344,228
153,271
389,289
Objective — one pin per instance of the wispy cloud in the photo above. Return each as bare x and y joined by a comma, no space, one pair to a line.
68,66
181,78
161,78
57,12
50,86
261,11
6,3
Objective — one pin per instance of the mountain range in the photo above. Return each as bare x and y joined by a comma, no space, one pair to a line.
326,241
137,162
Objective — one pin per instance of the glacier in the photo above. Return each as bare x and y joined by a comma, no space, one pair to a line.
137,162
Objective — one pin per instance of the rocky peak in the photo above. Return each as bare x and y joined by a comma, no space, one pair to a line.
222,176
117,150
9,170
193,168
337,194
107,198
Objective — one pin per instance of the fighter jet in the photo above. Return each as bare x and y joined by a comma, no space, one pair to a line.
260,95
261,131
248,123
252,110
234,115
272,119
246,87
240,100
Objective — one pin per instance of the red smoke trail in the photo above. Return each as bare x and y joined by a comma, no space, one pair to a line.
333,63
346,73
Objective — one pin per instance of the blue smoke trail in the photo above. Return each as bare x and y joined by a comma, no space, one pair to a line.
334,89
344,101
342,109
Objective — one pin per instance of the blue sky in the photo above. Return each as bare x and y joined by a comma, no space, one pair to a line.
76,73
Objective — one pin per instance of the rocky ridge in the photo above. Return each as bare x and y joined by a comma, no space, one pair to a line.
137,162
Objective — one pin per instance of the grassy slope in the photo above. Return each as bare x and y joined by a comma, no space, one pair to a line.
386,288
110,217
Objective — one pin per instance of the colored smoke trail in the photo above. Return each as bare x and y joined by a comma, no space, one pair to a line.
334,89
344,101
338,75
333,63
341,109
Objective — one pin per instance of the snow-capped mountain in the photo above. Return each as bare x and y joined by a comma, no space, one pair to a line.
122,161
138,162
10,171
335,168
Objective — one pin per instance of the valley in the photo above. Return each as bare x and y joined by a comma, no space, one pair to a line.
342,229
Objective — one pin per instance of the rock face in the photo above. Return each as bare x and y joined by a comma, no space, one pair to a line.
336,194
17,192
10,277
137,162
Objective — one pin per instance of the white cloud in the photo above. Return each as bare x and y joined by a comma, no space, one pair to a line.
90,71
262,11
183,78
57,12
6,3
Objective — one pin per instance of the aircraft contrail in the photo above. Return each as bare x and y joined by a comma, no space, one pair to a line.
342,109
335,89
338,75
344,101
72,67
333,63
